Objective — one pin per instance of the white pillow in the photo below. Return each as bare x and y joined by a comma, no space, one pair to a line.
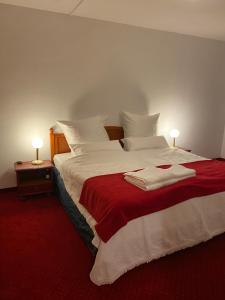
84,130
138,143
139,125
79,149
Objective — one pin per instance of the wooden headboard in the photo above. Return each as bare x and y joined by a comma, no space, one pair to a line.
58,143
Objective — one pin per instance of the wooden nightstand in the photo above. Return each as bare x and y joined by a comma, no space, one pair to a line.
34,179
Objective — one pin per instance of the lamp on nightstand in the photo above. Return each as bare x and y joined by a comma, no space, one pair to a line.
174,133
37,143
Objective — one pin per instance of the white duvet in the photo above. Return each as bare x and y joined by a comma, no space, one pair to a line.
151,236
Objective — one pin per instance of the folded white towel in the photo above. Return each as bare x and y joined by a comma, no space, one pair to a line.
153,178
154,186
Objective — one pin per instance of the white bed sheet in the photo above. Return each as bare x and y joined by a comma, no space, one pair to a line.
60,158
151,236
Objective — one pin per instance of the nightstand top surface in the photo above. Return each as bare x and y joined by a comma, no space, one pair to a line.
27,165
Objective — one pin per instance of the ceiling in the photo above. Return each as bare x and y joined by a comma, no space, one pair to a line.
204,18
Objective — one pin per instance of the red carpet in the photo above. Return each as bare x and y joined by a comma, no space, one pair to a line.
42,257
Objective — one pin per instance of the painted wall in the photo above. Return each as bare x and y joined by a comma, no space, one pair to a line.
223,146
55,66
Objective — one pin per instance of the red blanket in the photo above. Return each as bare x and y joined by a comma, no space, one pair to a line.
113,202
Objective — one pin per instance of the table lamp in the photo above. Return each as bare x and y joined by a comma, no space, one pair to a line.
174,133
37,143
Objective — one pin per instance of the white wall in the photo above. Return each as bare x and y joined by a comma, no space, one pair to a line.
223,146
54,66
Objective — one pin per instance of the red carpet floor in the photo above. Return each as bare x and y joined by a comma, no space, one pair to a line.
42,257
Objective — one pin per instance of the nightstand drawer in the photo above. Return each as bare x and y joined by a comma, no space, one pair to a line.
35,189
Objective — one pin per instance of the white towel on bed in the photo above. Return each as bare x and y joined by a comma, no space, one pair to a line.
152,178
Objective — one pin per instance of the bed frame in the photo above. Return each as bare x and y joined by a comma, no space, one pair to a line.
58,143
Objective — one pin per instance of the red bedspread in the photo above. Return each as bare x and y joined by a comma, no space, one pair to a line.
113,202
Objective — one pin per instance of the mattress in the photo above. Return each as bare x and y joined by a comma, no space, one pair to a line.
59,159
75,215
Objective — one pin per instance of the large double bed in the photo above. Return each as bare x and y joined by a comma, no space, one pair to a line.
148,236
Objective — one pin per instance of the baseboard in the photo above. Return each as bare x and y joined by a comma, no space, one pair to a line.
220,158
10,189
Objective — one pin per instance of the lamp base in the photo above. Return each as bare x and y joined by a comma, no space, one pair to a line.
37,162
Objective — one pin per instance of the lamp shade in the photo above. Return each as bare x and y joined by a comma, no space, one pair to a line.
174,133
37,143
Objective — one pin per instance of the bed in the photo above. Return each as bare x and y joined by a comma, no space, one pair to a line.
144,238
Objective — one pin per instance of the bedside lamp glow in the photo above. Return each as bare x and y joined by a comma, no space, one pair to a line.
174,133
37,143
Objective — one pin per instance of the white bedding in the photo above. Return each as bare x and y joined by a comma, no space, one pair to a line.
60,158
151,236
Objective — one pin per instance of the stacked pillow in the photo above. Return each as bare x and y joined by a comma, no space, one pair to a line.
140,132
87,135
139,125
84,130
79,149
149,142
